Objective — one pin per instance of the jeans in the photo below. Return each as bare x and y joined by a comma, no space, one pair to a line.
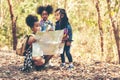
67,51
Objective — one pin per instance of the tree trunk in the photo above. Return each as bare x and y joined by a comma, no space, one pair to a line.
13,19
65,4
99,25
1,12
115,29
43,2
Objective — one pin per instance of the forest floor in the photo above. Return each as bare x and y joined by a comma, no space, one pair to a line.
10,63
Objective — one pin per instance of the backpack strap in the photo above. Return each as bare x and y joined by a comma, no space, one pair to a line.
27,45
28,36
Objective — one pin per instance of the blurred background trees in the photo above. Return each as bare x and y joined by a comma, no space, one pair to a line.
83,16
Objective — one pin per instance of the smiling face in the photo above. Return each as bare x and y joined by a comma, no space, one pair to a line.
57,15
36,27
44,15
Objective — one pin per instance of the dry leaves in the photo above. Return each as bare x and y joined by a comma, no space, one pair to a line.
10,63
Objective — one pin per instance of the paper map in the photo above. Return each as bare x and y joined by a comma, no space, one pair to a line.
48,43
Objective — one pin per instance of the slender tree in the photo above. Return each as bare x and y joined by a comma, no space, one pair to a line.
13,20
115,28
100,24
1,12
65,4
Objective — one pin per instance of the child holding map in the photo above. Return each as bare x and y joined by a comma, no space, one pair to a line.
33,23
46,25
44,12
62,23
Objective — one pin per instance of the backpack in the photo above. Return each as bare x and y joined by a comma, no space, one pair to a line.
21,45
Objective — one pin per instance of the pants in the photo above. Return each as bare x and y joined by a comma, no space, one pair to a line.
47,58
67,51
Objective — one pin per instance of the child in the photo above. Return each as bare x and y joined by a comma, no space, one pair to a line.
62,23
46,25
32,22
44,12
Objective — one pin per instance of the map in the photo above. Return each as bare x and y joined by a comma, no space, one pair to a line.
48,43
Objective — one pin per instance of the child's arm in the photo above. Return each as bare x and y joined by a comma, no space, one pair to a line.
31,40
70,33
68,43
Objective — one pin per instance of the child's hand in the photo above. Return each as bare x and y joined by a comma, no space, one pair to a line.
40,28
65,37
50,29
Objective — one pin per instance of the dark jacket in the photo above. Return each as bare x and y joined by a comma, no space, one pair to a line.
68,27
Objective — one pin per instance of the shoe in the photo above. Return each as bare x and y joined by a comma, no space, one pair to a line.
27,70
70,67
47,65
62,65
39,68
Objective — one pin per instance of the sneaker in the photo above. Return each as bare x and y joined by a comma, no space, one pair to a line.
62,65
39,68
26,69
70,67
48,65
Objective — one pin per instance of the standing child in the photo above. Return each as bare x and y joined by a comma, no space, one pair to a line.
62,23
44,12
46,25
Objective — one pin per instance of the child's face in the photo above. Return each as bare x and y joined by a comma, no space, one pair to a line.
36,27
57,15
44,15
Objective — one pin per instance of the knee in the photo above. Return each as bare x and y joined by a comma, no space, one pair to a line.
38,61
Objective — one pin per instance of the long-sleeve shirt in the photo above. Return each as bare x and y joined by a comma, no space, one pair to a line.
67,30
46,25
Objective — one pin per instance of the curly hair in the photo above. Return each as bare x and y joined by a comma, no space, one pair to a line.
30,20
47,8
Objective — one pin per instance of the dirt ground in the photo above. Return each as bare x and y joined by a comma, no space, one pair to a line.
10,63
